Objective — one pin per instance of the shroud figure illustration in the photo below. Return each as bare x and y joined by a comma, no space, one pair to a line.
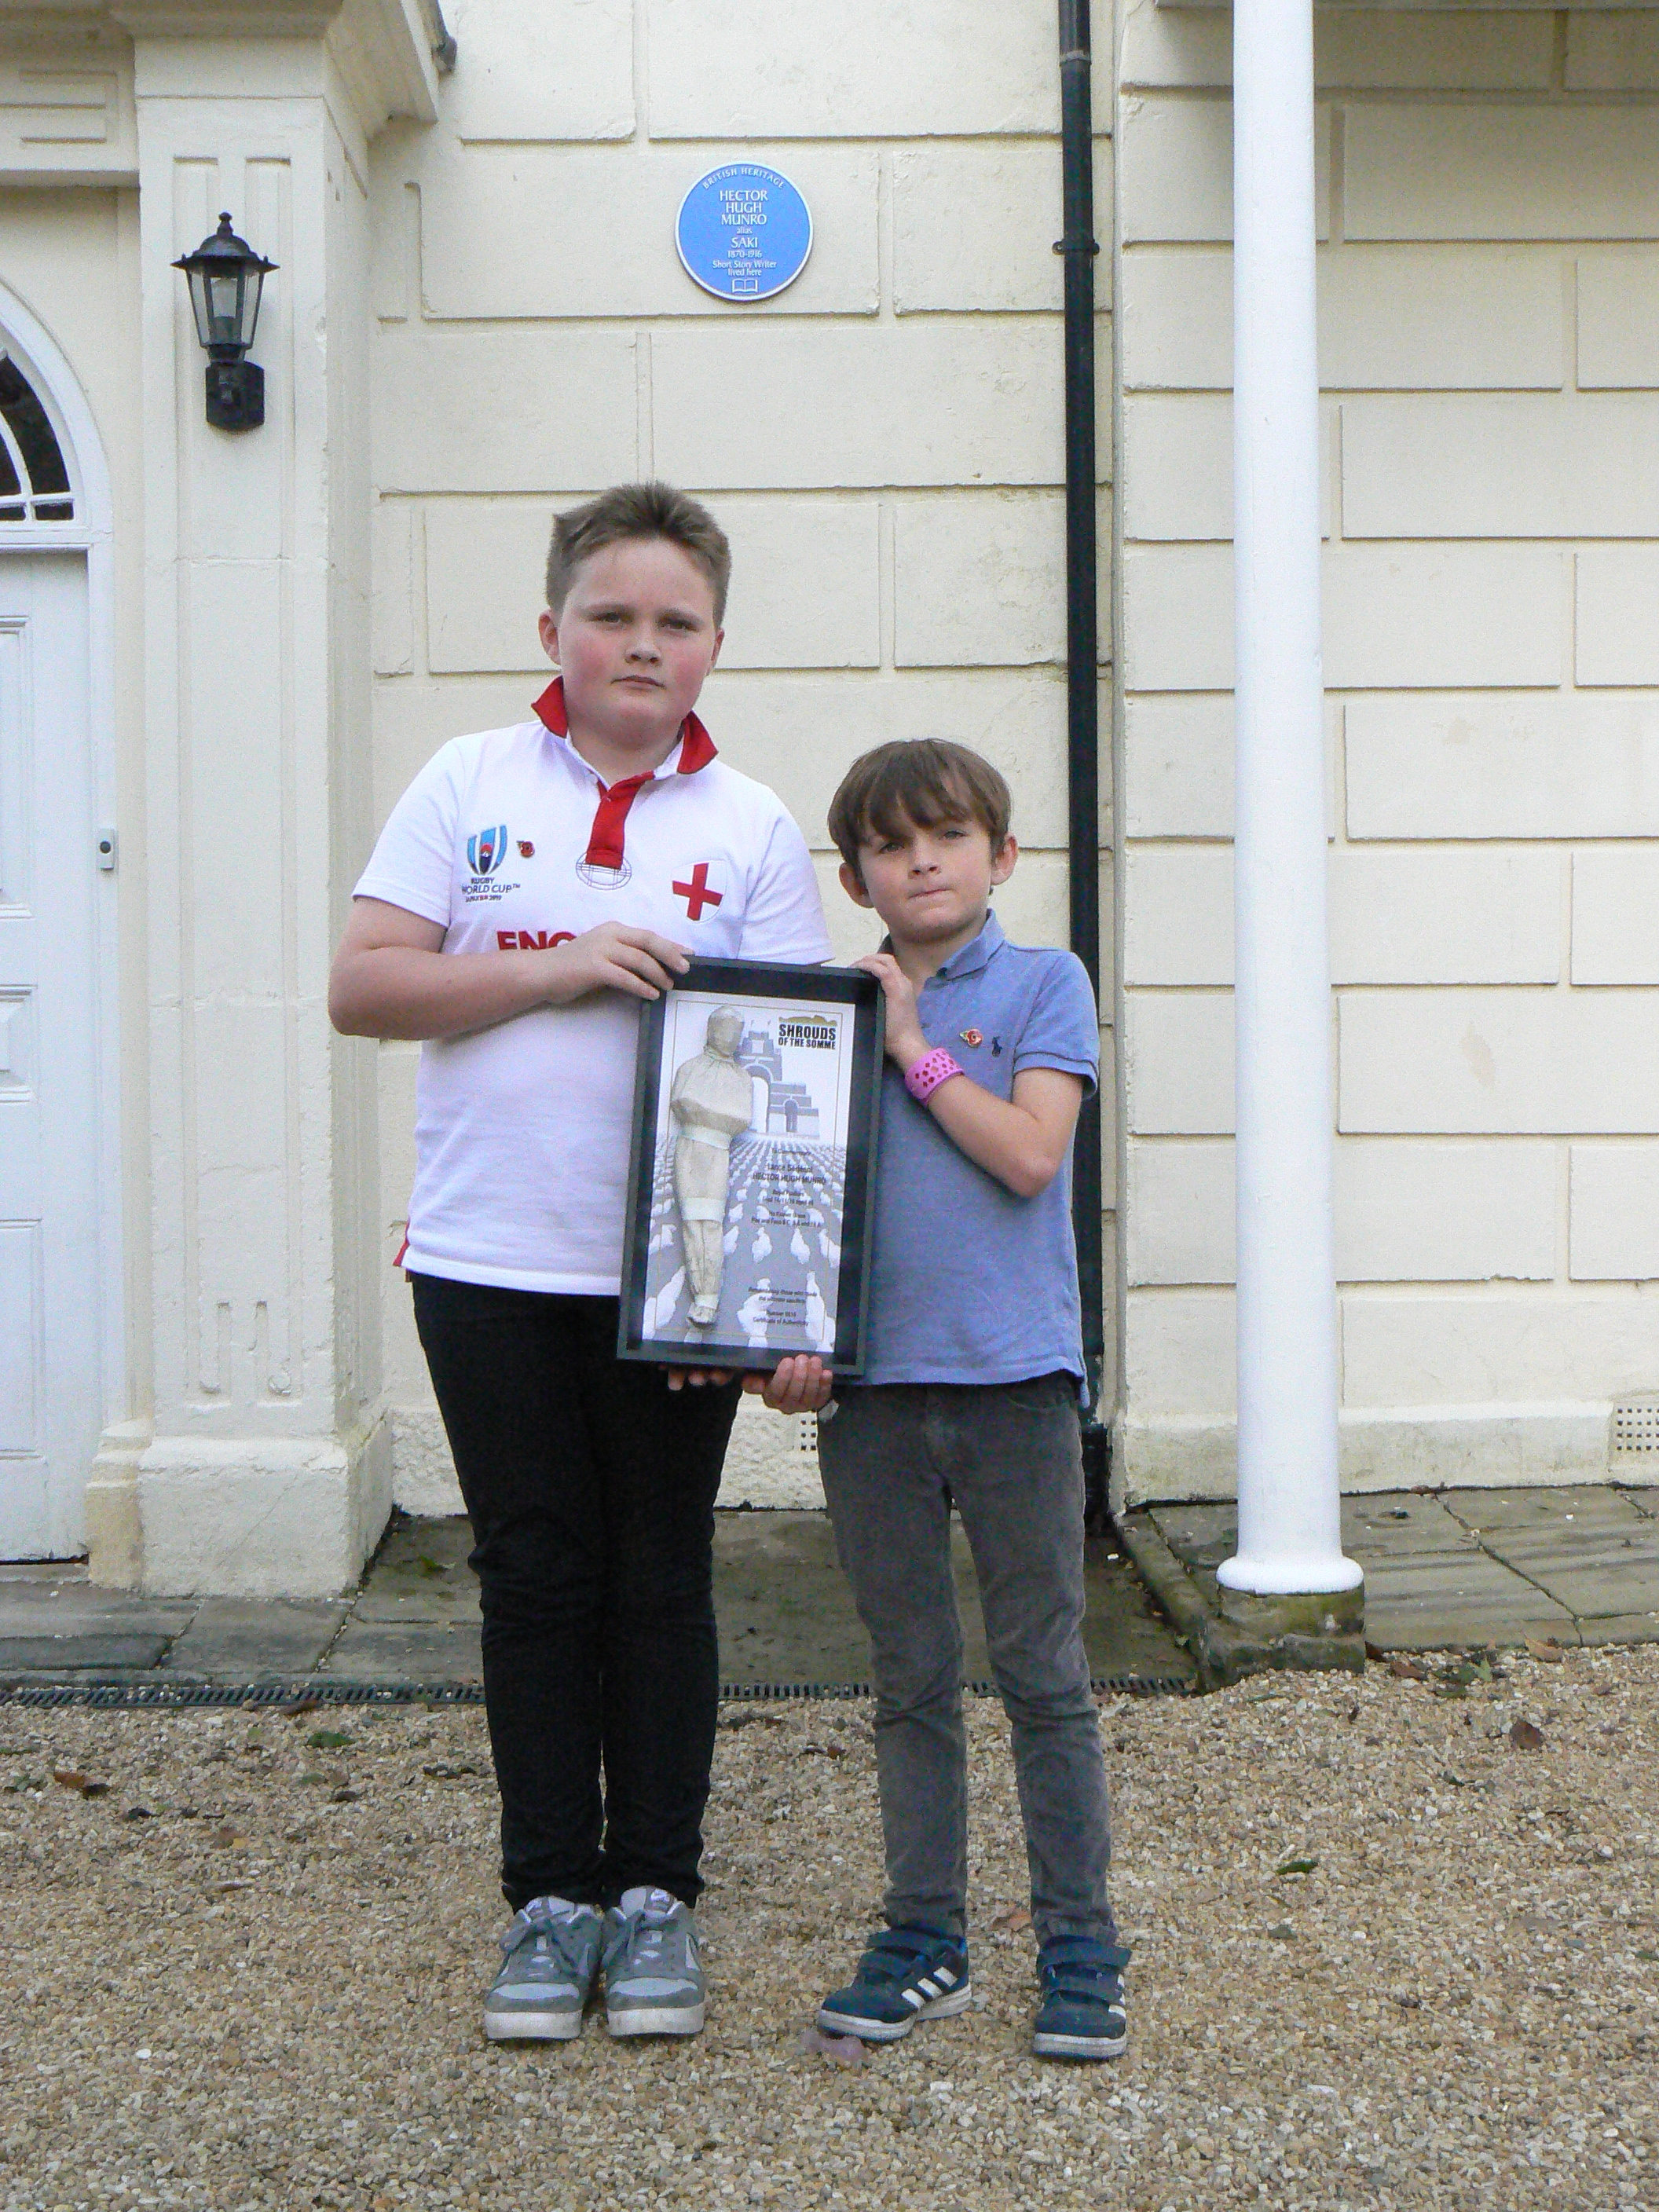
711,1100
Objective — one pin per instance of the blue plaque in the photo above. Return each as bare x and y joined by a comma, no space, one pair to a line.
744,232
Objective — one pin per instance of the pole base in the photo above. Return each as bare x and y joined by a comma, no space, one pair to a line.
1297,1613
1228,1649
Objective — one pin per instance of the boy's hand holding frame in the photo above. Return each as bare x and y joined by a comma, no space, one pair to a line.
801,1383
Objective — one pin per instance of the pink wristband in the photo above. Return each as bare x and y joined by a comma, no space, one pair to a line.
933,1069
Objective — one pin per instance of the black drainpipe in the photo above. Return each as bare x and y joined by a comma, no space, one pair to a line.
1078,248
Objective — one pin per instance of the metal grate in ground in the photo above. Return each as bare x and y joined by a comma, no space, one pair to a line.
177,1696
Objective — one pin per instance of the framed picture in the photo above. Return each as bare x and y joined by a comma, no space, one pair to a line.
756,1102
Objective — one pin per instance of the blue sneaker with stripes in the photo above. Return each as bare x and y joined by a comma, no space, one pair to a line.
1081,2014
906,1974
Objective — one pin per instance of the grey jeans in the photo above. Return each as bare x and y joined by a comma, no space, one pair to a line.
894,1458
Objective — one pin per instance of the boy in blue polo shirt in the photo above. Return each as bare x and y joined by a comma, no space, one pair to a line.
970,1395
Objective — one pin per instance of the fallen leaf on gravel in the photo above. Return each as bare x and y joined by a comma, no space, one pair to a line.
225,1887
68,1777
1297,1866
327,1739
1543,1647
299,1707
1405,2001
346,1796
447,1774
1284,1933
1012,1919
1650,1956
1408,1670
138,1813
1526,1737
839,2049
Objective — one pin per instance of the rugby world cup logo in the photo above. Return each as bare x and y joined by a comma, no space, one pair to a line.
484,849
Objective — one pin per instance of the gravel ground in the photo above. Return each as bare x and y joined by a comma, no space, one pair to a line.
247,1972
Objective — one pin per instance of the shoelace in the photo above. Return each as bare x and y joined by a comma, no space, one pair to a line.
551,1935
651,1928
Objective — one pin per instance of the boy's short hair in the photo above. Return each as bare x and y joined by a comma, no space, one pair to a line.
919,783
638,510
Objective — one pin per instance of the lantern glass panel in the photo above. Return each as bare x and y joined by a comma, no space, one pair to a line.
224,307
198,281
253,284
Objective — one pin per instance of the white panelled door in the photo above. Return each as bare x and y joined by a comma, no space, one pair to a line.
51,1291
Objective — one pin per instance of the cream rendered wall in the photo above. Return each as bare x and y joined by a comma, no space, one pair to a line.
1489,349
884,441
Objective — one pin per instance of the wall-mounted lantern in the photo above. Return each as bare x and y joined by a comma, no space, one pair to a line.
226,279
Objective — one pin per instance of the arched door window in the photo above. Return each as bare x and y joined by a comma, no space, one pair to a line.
34,484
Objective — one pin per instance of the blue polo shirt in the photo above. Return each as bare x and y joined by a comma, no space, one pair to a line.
968,1283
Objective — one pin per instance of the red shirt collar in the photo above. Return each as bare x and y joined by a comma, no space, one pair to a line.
697,746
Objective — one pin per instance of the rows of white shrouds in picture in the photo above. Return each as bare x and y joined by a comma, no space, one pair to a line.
783,1216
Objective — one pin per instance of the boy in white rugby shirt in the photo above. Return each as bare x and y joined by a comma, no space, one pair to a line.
533,885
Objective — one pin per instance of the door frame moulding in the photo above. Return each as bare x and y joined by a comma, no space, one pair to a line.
91,532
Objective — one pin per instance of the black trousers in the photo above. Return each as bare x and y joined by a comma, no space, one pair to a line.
591,1489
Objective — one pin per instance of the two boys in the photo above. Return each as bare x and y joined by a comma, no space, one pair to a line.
591,1492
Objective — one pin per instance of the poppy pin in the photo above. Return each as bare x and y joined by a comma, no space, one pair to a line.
526,850
973,1037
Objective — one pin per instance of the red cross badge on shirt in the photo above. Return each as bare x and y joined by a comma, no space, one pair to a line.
696,894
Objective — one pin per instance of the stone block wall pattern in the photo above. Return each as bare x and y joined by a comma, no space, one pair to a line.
883,441
1489,351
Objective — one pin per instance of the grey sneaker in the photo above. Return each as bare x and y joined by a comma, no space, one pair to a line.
653,1982
552,1955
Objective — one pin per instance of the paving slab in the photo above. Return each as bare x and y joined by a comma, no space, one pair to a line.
1397,1524
235,1639
75,1608
787,1616
412,1544
21,1655
1125,1633
1443,1569
1592,1549
1619,1628
1201,1533
1595,1576
1442,1600
1573,1505
1461,1568
387,1651
435,1607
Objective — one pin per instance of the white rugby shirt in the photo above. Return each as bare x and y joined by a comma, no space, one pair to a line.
509,839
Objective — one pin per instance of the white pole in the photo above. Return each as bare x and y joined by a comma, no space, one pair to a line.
1289,1499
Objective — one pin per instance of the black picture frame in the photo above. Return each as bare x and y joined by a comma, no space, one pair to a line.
787,1176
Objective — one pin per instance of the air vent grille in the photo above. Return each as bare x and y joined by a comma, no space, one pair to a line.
1636,1428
